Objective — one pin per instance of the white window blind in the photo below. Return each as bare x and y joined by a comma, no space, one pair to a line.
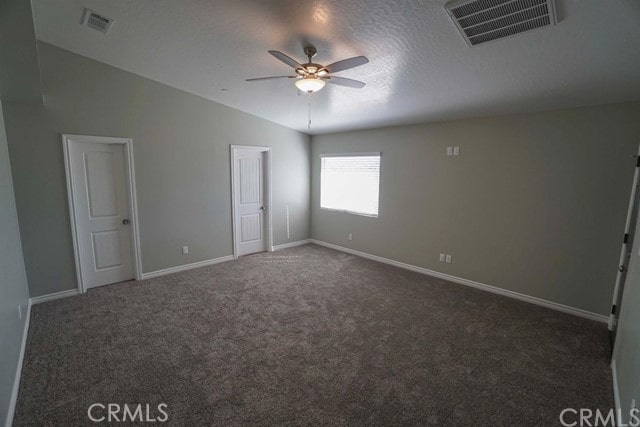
350,183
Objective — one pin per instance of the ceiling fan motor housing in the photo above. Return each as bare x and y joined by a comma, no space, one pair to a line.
312,68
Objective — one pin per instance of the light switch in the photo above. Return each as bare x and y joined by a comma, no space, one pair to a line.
456,151
449,151
441,257
448,259
185,250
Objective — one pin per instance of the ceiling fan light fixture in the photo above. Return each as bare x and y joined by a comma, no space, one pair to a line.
310,84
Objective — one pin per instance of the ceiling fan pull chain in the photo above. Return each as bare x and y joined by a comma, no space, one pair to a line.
309,110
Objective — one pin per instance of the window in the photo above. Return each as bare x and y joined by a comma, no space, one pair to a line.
350,183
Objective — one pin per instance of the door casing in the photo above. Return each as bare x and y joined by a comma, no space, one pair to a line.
625,249
67,141
267,195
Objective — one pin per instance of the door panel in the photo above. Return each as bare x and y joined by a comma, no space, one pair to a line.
101,183
100,200
106,249
251,227
249,198
250,180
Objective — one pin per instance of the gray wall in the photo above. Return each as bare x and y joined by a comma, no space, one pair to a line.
19,74
181,145
13,281
19,82
534,203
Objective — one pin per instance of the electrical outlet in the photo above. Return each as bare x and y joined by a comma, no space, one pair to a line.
185,250
350,236
448,259
449,151
456,151
442,257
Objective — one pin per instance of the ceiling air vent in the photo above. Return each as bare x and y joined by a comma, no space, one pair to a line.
96,21
482,21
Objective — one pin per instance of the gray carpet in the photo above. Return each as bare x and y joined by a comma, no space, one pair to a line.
309,335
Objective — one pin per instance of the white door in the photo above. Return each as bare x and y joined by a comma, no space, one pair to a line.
101,212
626,251
250,207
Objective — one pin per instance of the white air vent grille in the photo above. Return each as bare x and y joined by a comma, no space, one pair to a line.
96,21
481,21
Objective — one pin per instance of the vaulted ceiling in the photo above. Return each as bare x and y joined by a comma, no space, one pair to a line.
420,67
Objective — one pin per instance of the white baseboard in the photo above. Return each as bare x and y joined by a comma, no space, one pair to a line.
185,267
291,244
471,283
16,382
53,296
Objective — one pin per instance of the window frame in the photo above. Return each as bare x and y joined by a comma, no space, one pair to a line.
363,154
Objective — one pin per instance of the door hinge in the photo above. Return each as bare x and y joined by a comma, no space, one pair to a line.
626,238
622,269
613,309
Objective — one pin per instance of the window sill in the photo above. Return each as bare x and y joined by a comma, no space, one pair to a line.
350,212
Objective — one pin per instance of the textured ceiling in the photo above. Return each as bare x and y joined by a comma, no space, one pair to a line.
420,69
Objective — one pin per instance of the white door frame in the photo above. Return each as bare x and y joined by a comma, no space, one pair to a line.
623,251
130,178
267,195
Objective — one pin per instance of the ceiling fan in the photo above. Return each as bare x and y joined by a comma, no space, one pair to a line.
311,77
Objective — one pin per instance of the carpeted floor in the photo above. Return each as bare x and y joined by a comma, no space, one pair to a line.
309,335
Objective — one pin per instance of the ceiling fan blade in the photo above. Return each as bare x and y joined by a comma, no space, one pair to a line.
270,78
342,81
286,59
346,64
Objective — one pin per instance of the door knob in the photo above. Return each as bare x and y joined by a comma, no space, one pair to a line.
263,208
125,221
